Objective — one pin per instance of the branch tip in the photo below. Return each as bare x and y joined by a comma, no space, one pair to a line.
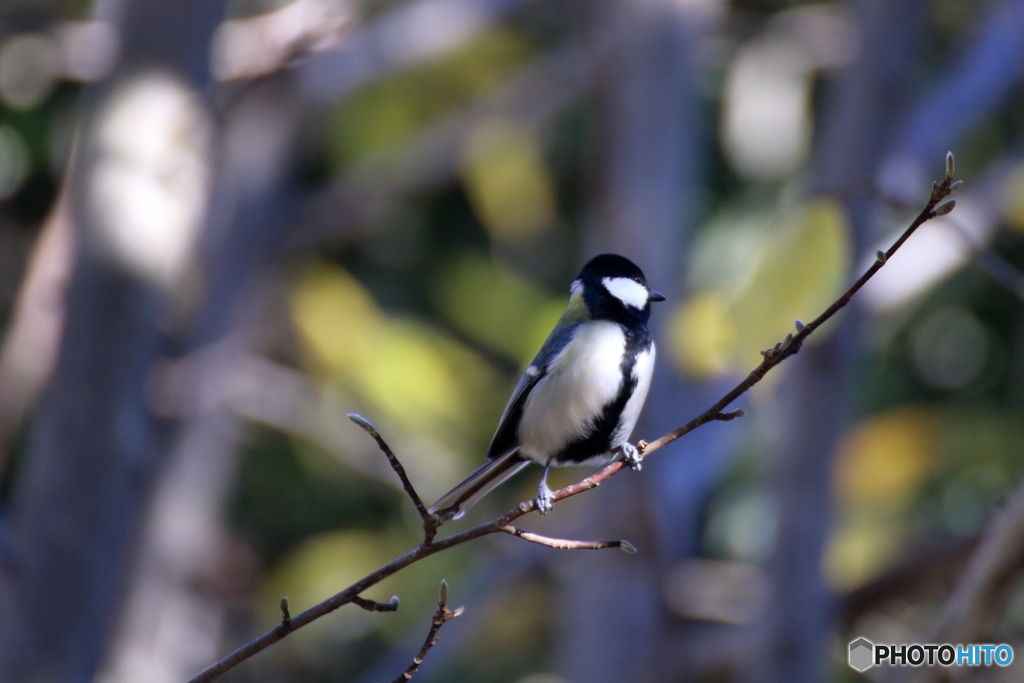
363,423
627,547
430,522
442,593
950,166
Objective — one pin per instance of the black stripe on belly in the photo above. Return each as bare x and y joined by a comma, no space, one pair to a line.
598,439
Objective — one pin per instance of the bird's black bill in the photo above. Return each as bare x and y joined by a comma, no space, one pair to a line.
656,296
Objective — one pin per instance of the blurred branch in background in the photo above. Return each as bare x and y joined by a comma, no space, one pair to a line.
411,32
260,45
973,88
30,345
973,610
530,97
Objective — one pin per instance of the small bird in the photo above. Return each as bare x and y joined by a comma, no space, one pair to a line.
579,399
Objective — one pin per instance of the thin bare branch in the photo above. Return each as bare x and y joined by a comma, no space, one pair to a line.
991,263
430,523
442,616
371,606
772,358
792,343
565,544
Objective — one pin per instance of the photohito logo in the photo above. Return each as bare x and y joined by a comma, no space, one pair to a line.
864,654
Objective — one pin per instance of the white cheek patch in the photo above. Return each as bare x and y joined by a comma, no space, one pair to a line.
627,291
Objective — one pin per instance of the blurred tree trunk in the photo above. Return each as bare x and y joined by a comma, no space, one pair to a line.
93,448
812,400
188,573
649,134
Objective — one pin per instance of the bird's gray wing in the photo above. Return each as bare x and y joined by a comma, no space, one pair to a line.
506,435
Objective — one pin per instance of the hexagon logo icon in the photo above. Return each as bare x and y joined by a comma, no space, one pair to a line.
862,653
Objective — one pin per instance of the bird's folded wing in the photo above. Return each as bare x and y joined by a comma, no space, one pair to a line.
505,436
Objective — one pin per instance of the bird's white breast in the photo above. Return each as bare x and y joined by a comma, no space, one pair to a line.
642,371
582,378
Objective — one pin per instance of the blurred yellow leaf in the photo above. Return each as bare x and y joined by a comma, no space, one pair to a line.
703,334
336,316
324,565
386,113
1015,198
329,562
496,307
420,378
507,181
858,550
882,464
884,459
754,277
801,270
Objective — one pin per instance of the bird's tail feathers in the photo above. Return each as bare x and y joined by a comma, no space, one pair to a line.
478,484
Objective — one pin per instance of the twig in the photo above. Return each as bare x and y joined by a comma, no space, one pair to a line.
792,343
441,617
565,544
371,606
430,522
772,357
991,263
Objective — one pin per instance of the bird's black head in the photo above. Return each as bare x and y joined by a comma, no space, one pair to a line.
613,287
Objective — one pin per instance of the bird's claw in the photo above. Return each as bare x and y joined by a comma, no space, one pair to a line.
543,499
631,456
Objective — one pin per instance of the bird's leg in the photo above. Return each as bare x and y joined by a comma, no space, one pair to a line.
631,456
543,492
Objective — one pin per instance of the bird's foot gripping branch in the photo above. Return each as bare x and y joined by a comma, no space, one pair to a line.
937,205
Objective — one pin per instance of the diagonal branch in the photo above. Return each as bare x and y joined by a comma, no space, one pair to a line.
772,357
430,523
442,616
565,544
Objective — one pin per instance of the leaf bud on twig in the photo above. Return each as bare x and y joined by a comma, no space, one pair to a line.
944,208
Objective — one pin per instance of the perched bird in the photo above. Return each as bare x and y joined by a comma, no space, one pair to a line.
580,398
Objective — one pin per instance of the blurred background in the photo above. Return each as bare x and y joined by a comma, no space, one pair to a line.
223,225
